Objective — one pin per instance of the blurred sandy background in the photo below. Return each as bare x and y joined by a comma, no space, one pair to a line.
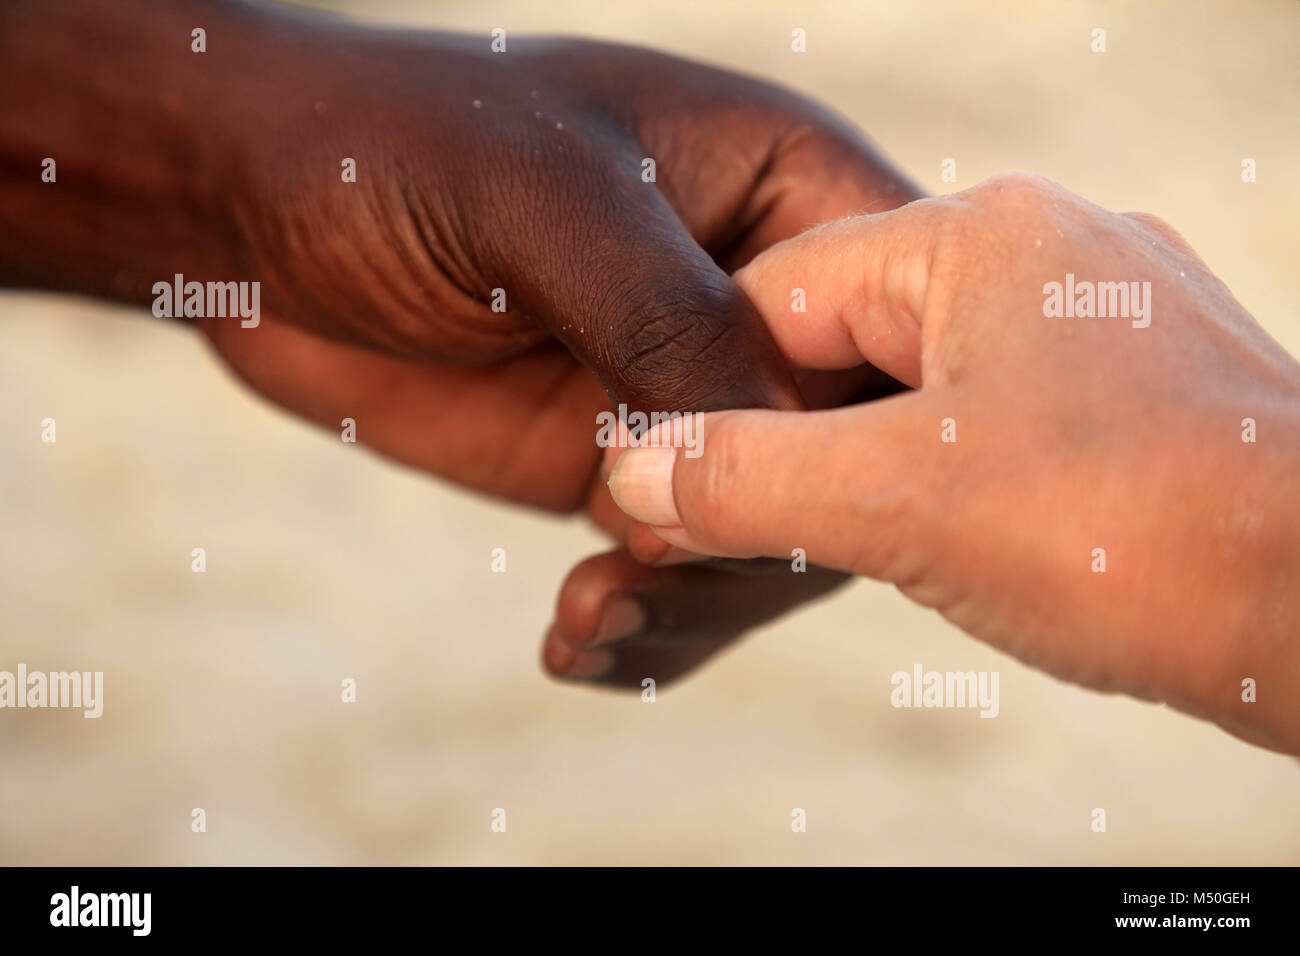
222,690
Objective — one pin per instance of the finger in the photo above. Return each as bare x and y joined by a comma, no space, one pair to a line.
463,424
854,290
816,177
619,622
777,165
864,283
820,389
622,283
861,489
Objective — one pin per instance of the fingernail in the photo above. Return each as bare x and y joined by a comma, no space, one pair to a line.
589,665
621,617
642,485
570,663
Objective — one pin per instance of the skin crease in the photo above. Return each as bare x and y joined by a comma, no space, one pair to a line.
1071,434
475,172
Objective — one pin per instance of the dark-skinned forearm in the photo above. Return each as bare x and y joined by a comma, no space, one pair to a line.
151,140
113,94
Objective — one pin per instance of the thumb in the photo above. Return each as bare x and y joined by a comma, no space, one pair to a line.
624,285
861,489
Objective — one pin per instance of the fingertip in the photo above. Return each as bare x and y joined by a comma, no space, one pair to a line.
646,546
642,485
565,662
584,596
621,617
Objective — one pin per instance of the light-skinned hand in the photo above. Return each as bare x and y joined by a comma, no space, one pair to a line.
1110,499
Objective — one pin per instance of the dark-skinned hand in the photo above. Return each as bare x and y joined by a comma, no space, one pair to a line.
476,171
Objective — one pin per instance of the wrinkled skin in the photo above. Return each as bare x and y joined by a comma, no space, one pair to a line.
475,171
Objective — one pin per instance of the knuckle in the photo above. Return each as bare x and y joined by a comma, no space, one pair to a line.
678,342
995,216
1017,193
1155,224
